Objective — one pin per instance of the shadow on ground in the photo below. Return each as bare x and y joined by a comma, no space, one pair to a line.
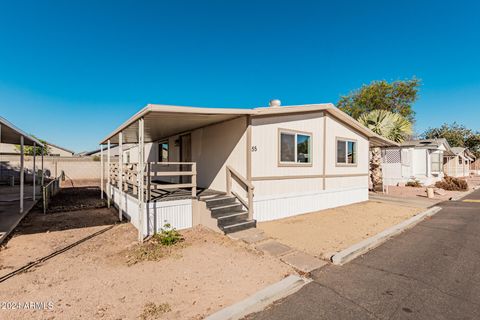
71,208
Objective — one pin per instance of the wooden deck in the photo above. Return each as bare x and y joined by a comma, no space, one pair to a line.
177,194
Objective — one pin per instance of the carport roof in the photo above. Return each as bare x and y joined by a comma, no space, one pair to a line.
11,134
161,121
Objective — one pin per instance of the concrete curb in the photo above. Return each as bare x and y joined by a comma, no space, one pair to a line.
460,196
366,245
261,299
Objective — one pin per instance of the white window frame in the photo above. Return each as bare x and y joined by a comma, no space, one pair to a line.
294,163
440,162
346,164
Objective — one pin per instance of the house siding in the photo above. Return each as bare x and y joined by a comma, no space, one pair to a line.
283,191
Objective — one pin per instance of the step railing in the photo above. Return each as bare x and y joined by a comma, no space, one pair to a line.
232,174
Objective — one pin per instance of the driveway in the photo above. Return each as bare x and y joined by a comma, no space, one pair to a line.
429,272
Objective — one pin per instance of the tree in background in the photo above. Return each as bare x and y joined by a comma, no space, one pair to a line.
387,124
28,150
386,108
397,97
457,136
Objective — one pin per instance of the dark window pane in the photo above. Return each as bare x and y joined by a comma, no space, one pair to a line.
352,156
341,158
287,147
303,148
163,152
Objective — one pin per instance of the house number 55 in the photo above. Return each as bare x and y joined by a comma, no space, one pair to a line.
254,148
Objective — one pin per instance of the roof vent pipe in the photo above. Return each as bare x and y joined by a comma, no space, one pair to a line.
275,103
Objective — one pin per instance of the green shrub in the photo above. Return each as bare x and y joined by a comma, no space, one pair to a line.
413,183
168,235
452,184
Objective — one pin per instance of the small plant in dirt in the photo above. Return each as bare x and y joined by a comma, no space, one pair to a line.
168,235
413,183
452,184
163,244
154,311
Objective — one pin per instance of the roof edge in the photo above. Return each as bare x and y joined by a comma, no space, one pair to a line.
7,123
259,111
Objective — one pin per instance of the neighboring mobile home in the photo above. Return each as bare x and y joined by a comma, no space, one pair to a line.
419,160
53,150
458,163
227,168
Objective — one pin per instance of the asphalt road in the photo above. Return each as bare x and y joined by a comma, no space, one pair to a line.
431,271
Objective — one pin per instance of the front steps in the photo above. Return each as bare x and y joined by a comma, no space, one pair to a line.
229,212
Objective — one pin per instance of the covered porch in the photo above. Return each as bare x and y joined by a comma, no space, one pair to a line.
178,158
20,187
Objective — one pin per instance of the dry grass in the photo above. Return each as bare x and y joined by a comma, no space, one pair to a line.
153,250
153,311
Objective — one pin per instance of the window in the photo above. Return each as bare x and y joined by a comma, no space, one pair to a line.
460,160
295,148
436,162
346,152
163,152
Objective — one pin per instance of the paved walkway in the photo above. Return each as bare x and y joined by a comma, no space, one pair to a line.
302,262
429,272
10,215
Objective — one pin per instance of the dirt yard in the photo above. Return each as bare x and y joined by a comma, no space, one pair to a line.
96,279
76,198
325,232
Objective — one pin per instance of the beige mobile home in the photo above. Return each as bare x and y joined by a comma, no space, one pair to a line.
228,168
53,150
458,163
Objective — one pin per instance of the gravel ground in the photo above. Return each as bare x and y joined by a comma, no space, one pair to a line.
324,232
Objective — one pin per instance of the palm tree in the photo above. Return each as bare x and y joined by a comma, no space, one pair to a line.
387,124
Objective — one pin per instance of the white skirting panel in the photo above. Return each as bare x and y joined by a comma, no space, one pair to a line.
178,213
126,203
286,205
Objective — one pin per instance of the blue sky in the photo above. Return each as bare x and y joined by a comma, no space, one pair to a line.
72,71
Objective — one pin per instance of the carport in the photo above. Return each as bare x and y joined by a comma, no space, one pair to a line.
16,199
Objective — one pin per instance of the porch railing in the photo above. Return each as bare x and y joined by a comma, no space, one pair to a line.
173,171
232,174
161,169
